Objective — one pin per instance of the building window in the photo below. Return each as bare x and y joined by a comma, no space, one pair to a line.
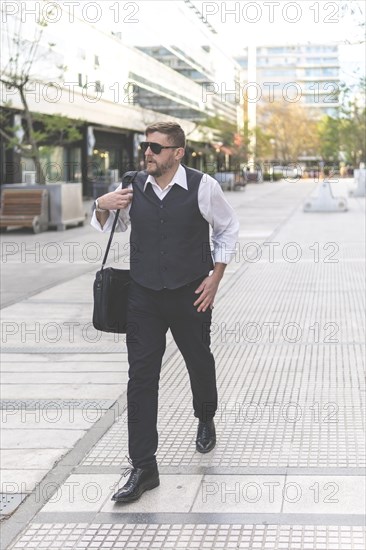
321,60
318,49
96,61
276,50
322,71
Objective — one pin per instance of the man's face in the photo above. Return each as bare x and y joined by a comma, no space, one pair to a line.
166,160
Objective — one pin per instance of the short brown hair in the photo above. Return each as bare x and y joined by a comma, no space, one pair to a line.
171,129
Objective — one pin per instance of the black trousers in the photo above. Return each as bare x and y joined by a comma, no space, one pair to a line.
150,314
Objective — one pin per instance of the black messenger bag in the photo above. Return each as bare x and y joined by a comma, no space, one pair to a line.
110,287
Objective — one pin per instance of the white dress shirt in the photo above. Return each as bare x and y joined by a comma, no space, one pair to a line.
212,204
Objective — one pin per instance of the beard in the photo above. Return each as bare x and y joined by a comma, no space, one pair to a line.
157,170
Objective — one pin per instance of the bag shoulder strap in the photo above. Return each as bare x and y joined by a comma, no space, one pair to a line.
127,178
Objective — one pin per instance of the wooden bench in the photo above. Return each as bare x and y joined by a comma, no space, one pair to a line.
24,208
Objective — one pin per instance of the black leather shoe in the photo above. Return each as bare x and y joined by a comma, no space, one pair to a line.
206,436
140,480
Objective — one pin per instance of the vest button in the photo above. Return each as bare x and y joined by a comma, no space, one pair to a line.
161,206
161,221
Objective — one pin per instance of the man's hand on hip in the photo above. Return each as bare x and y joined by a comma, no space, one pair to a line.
207,291
208,288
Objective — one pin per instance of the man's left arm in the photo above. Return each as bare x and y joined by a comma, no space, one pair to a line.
225,230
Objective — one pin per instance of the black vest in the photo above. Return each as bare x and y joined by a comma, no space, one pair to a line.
170,239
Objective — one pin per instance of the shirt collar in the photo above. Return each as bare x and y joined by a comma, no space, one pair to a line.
180,178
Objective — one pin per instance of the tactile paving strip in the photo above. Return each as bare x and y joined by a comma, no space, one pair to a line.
323,300
282,373
81,536
39,404
294,406
95,348
275,440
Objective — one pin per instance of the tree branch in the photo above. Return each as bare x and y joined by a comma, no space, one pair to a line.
8,137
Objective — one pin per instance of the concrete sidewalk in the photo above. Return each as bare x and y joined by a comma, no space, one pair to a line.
288,334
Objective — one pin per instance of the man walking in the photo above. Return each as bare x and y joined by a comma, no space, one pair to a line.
174,282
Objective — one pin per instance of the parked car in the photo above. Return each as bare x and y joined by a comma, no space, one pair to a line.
253,176
230,181
288,172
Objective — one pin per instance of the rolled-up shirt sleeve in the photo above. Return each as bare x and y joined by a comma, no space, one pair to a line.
222,218
123,219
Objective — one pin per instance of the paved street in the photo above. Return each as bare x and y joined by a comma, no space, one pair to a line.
288,337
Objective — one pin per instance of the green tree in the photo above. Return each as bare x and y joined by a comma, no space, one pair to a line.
329,138
263,145
223,129
346,133
228,134
352,123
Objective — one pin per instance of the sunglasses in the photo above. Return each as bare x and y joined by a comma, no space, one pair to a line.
155,147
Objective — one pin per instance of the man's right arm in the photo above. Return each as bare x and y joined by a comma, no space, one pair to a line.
116,200
102,217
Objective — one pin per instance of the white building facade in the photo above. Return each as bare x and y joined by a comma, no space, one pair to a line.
89,74
304,73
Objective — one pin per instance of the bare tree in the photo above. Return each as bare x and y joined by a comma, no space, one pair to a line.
24,53
294,132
